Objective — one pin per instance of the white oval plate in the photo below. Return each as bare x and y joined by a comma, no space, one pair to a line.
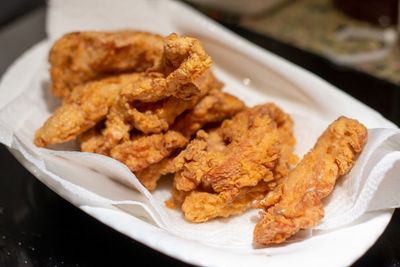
254,75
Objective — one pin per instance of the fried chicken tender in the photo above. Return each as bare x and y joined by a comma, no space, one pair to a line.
141,152
184,62
252,151
88,104
101,139
154,118
146,117
157,117
202,206
79,57
228,163
214,107
299,198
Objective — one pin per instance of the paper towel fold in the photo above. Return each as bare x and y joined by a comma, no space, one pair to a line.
88,179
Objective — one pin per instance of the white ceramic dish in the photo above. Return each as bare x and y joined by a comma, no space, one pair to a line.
258,76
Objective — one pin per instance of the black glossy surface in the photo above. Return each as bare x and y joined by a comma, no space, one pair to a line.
38,228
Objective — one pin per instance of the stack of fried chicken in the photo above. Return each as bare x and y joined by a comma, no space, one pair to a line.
153,103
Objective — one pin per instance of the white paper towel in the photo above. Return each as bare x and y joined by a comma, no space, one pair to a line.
90,180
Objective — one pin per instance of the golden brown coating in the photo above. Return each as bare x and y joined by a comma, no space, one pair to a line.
184,64
299,198
79,57
100,139
229,167
177,75
150,176
180,63
251,153
157,117
203,206
197,159
214,107
141,152
88,104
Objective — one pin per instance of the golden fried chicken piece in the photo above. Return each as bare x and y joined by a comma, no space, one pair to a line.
150,176
146,117
230,166
180,62
214,107
203,206
287,142
158,116
88,104
141,152
197,159
153,118
79,57
101,139
299,198
184,62
252,151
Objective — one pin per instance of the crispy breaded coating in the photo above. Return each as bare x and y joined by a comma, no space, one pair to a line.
214,107
184,62
177,76
79,57
150,176
157,116
126,114
197,159
299,198
141,152
251,152
88,104
234,164
203,206
116,130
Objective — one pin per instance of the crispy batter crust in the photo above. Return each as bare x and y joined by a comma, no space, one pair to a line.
299,204
227,167
79,57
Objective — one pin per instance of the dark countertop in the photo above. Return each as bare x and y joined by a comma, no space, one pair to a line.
39,228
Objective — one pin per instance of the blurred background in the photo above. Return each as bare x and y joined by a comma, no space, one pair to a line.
352,44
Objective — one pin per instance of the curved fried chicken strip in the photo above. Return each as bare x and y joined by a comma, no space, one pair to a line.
158,116
88,104
184,62
203,206
79,57
143,151
300,196
214,107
